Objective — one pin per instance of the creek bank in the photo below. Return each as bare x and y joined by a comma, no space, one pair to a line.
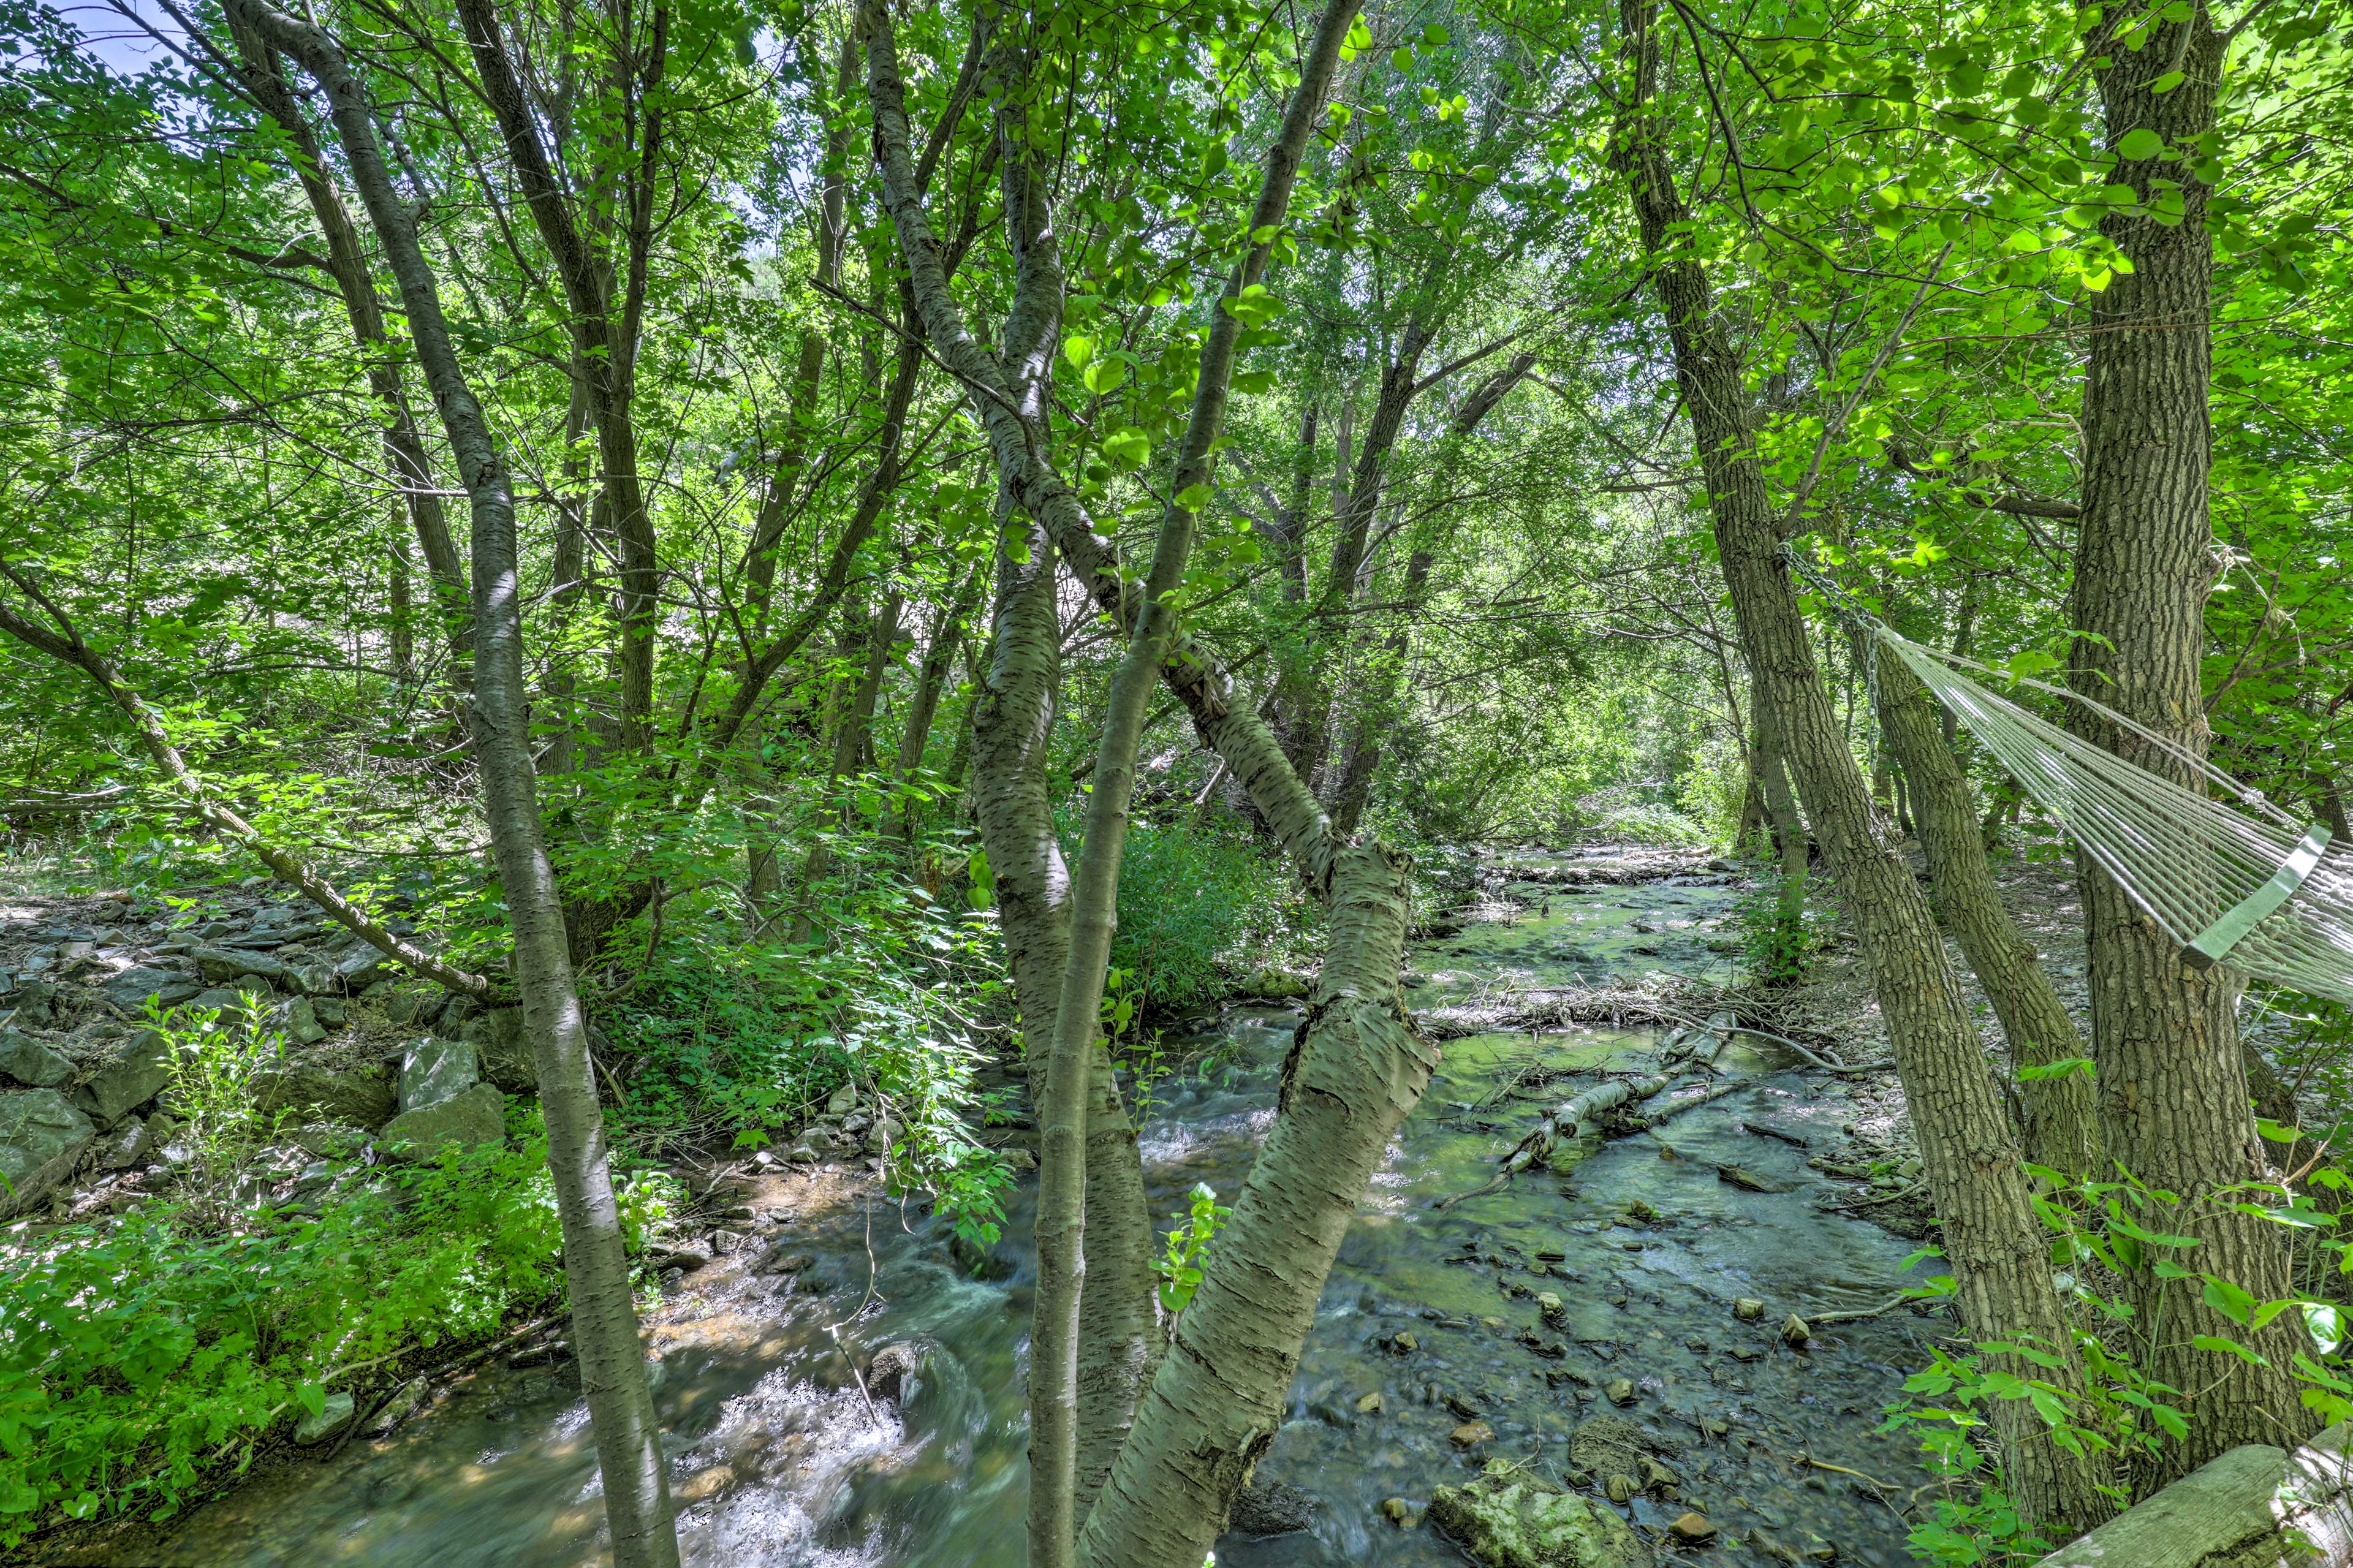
1644,1288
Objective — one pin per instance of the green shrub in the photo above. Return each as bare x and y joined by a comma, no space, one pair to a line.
139,1357
1194,904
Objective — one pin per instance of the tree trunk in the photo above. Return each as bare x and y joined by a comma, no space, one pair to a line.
2060,1124
1997,1250
404,448
2173,1092
931,681
1789,829
1357,1072
604,1321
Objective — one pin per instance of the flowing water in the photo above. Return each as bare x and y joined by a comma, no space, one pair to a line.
779,1457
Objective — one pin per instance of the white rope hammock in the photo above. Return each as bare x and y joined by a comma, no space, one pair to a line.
2255,885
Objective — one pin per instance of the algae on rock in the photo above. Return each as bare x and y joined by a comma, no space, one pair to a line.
1510,1519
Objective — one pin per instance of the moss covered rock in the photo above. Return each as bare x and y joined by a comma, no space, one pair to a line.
1509,1519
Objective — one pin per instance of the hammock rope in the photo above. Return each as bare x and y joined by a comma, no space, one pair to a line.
2225,874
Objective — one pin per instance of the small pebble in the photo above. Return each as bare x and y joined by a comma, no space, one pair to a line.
1370,1405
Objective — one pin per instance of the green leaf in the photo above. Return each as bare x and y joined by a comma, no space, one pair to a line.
2229,1299
313,1398
1193,497
2167,82
1254,382
1402,59
1433,35
1104,375
2139,146
1078,349
2232,1347
1127,447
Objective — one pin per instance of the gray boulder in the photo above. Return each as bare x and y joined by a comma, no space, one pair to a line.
225,1000
471,1119
361,967
313,976
503,1052
42,1138
409,1003
362,1096
133,988
334,1415
224,965
126,1145
300,1024
136,1075
30,1062
433,1070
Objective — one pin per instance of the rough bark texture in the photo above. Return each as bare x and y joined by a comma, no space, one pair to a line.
604,1316
1355,1070
2058,1120
2173,1094
1997,1250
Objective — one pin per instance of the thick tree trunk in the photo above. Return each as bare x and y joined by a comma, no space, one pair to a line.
2173,1092
1997,1250
604,1317
1788,828
2060,1121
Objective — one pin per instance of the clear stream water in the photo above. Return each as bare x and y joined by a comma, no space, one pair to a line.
779,1461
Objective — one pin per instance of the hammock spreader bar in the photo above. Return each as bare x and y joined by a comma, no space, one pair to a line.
2235,923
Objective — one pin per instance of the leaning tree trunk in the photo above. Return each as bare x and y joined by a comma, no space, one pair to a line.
2173,1092
2060,1119
604,1316
1997,1250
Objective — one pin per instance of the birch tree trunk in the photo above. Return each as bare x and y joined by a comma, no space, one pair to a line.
1996,1249
604,1316
2173,1093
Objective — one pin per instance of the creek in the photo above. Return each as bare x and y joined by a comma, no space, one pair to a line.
781,1460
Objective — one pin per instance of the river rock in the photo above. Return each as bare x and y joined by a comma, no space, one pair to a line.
334,1415
137,1073
361,967
30,1062
842,1101
126,1145
299,1023
1620,1390
891,1374
407,1003
1508,1519
133,989
405,1403
1795,1333
1749,1181
313,976
1748,1310
1399,1512
1692,1529
1605,1445
1271,1507
223,965
502,1049
42,1138
472,1119
433,1070
1470,1434
1370,1405
361,1096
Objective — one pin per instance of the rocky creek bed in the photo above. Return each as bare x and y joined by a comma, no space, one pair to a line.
1597,1355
